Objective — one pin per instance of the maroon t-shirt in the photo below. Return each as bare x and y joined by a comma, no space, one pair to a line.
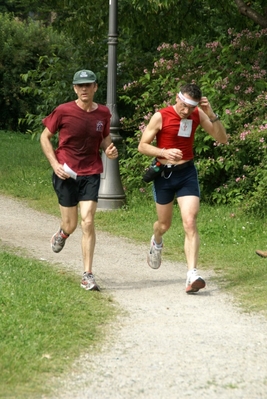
80,136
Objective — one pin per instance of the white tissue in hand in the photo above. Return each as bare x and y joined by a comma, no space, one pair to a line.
70,171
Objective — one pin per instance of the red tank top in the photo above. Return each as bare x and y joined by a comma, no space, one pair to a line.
177,132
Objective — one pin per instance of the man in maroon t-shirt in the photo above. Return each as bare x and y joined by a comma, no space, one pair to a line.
84,130
174,128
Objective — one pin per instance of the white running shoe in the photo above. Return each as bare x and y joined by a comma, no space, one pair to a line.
154,255
58,241
88,282
193,282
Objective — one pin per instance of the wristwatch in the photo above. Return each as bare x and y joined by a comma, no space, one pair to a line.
217,117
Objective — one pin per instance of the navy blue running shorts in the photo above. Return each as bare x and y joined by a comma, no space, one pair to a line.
70,191
176,183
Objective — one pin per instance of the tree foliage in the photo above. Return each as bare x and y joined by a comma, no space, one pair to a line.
142,26
160,44
23,48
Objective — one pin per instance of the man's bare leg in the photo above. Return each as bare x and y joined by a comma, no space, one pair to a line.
189,207
163,223
88,209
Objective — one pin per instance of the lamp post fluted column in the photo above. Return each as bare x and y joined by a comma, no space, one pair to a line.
111,193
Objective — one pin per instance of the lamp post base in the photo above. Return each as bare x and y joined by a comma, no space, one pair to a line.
110,203
111,194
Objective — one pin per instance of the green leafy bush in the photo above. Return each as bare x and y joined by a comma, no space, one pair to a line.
24,47
48,84
232,74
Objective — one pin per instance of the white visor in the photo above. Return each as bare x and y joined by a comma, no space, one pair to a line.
187,100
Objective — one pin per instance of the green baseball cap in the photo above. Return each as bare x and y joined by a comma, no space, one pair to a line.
84,76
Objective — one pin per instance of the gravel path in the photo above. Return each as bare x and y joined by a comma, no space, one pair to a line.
166,345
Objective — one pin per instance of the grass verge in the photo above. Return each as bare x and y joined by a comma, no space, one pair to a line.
45,324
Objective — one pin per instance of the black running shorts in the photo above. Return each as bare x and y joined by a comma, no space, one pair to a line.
179,183
70,192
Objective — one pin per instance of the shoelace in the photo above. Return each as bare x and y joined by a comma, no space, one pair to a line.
91,277
155,251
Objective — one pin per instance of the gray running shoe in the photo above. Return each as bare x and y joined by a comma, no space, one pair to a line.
194,282
88,282
58,241
154,255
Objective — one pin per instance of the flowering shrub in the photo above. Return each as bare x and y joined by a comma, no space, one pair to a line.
232,73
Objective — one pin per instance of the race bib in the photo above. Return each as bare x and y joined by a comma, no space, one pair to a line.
185,128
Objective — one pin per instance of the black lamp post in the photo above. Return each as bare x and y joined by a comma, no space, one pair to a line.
111,193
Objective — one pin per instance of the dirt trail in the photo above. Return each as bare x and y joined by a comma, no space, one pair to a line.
167,345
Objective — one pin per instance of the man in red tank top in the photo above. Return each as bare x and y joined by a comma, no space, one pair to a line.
83,128
174,129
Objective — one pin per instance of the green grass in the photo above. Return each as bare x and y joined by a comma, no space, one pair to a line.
45,323
25,172
32,345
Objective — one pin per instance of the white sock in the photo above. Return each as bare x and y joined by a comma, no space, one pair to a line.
158,246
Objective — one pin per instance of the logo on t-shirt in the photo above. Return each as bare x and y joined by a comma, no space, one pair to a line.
185,128
99,126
